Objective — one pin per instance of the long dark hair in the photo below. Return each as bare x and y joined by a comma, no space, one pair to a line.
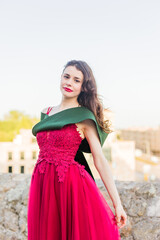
89,97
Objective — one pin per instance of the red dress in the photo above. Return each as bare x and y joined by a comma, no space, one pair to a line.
64,201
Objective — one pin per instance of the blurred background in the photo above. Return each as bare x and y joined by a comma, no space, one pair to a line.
120,42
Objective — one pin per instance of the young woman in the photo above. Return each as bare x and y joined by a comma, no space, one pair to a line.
64,201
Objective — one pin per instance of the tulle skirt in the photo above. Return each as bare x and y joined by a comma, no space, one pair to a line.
71,210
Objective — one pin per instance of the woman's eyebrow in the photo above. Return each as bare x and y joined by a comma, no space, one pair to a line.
69,75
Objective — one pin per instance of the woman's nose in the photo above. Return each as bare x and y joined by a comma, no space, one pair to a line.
69,80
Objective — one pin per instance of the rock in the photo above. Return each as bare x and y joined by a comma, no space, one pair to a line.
137,207
127,238
153,209
146,190
10,220
147,230
141,202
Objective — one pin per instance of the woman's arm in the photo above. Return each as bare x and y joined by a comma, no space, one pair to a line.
103,168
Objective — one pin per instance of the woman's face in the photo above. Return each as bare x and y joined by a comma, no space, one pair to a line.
71,78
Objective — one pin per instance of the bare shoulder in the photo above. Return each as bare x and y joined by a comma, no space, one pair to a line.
90,129
88,124
93,139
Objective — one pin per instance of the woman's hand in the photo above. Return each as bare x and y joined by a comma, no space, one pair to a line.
120,216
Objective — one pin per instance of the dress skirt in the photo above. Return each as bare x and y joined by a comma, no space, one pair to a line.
74,209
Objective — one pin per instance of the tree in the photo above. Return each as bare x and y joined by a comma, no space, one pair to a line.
12,123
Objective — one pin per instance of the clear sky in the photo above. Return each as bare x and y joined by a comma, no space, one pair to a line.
120,40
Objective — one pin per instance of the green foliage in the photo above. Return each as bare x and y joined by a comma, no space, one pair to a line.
12,123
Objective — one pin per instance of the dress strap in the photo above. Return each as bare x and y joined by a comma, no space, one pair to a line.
49,109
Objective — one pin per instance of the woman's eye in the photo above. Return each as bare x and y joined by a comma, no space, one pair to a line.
75,79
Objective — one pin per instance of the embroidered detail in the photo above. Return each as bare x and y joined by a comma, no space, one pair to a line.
81,169
42,167
59,147
61,168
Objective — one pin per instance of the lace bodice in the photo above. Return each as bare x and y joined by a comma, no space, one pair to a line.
59,147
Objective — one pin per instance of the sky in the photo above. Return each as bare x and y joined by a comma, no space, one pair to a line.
120,41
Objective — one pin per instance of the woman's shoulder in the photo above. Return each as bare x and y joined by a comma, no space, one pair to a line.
88,124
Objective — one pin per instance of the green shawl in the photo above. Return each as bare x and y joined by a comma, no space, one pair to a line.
68,116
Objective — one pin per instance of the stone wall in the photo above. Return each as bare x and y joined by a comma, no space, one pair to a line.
140,200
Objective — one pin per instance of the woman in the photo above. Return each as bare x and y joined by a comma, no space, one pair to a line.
64,201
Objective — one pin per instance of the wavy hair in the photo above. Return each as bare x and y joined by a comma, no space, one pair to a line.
89,97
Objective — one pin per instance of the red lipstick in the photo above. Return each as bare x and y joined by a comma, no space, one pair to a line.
67,89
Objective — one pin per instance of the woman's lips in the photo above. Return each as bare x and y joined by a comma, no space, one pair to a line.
67,89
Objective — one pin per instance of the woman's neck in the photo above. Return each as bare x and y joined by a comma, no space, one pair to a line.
66,105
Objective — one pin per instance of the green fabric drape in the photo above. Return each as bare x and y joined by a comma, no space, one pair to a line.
68,116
